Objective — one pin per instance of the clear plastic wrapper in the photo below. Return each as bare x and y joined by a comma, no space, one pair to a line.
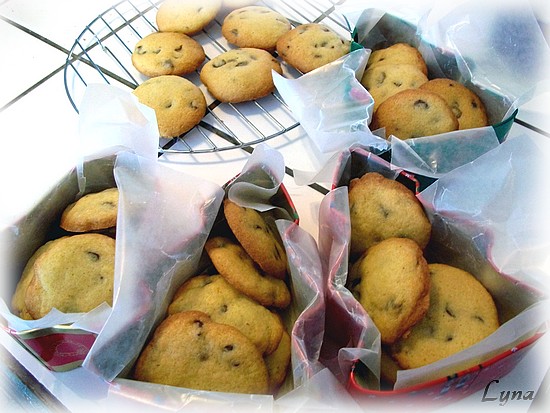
335,115
165,217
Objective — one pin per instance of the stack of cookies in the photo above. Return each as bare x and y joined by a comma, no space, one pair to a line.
166,57
423,311
224,332
73,273
409,105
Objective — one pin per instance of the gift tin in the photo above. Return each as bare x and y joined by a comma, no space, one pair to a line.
63,347
58,347
458,249
391,29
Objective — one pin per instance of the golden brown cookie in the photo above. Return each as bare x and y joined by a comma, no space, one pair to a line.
393,286
167,53
190,350
382,208
226,305
240,75
255,26
186,16
461,313
414,113
236,266
277,363
179,105
385,80
310,46
399,53
465,104
257,238
18,299
74,275
94,211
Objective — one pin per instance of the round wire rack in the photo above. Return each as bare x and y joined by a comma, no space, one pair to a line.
102,54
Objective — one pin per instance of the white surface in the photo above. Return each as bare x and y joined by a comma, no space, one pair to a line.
37,135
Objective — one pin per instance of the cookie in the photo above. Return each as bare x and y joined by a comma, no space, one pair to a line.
385,80
94,211
226,305
277,363
310,46
257,238
461,313
414,113
236,266
186,16
399,53
240,75
190,350
465,104
74,275
167,53
18,299
255,26
382,208
393,286
179,105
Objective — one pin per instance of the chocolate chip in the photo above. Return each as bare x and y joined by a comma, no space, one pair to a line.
243,63
384,211
456,110
229,347
92,256
223,309
421,104
219,63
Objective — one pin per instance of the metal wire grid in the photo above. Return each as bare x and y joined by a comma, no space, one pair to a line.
102,54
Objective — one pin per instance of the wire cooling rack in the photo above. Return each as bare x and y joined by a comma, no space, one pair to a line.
102,54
